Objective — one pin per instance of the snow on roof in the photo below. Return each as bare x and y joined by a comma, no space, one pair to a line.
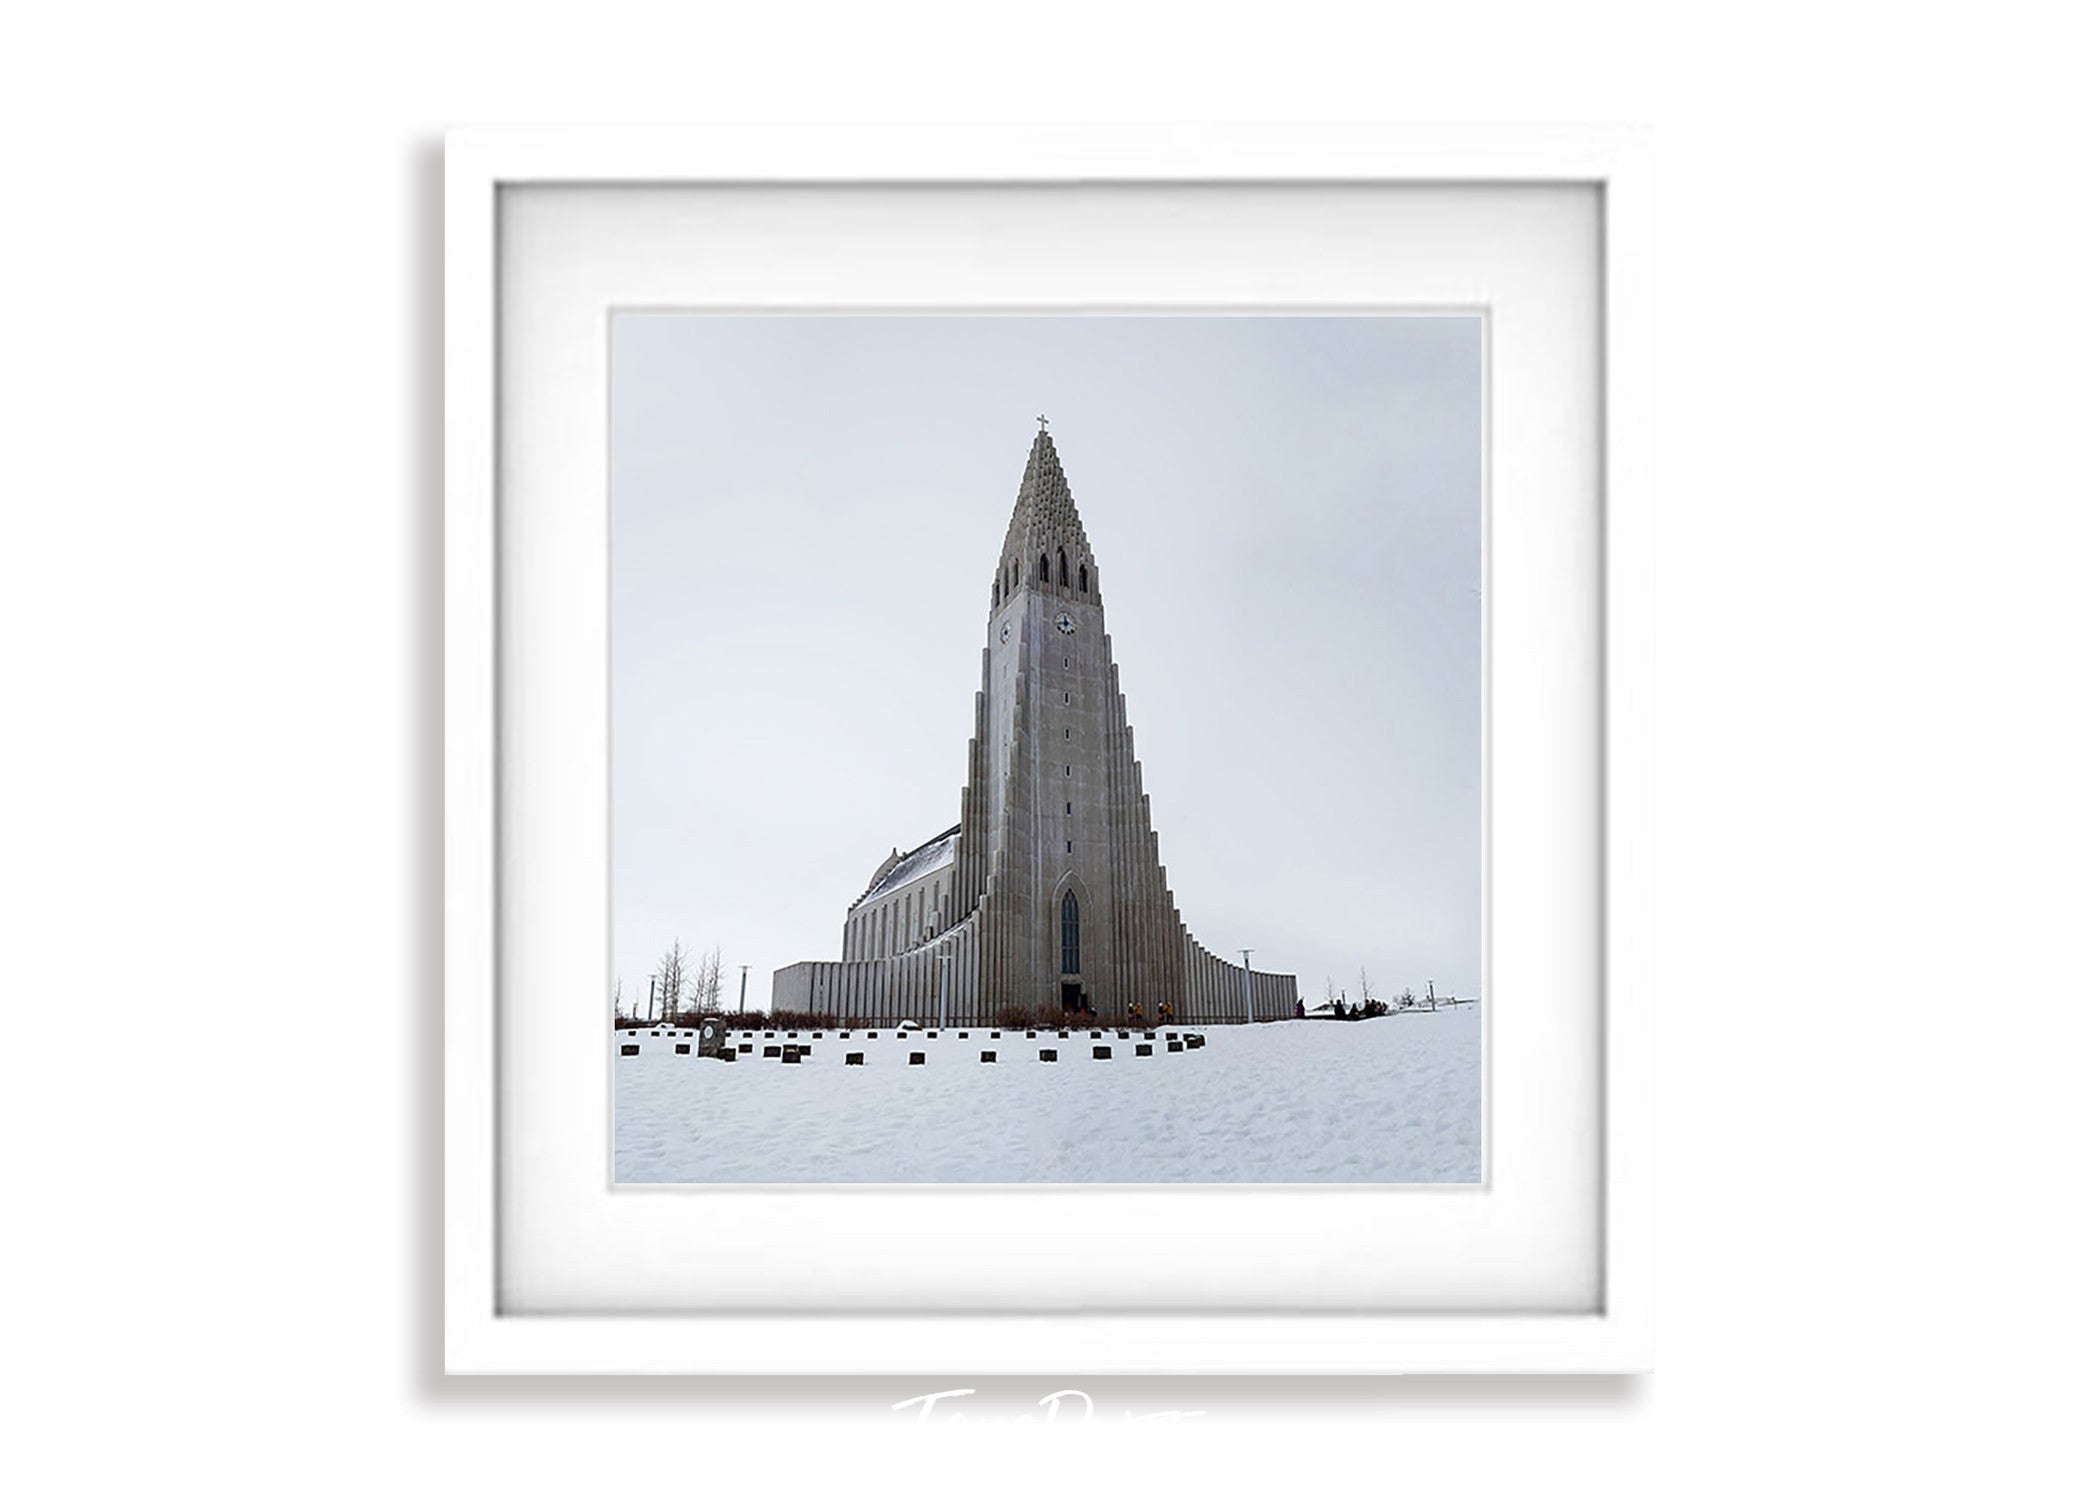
934,853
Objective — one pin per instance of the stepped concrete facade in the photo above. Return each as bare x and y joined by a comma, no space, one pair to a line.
1048,894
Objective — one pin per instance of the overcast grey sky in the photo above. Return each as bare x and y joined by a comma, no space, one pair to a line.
806,512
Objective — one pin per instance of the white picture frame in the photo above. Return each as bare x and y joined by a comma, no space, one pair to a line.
481,1336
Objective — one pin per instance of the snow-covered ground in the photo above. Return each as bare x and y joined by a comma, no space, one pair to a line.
1390,1100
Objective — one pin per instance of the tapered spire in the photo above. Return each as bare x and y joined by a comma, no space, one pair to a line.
1045,532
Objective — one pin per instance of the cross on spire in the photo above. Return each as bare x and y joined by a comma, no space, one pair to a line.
1042,422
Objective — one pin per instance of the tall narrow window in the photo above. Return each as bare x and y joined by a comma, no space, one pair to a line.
1082,577
1044,567
1063,569
1071,932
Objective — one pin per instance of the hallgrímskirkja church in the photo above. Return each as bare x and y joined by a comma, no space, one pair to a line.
1049,893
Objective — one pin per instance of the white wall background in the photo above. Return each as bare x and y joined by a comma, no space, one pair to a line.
218,767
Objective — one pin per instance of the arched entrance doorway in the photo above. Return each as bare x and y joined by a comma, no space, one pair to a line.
1071,988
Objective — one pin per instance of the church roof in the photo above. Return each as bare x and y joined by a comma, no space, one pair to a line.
935,852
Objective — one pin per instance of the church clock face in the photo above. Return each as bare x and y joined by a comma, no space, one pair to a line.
1064,623
1005,632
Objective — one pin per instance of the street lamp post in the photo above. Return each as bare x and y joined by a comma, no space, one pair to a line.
743,987
947,961
1246,956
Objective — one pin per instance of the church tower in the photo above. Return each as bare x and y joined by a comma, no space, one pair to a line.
1049,895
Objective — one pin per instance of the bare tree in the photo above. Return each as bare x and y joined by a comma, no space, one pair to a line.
670,979
707,988
1330,988
616,991
1364,992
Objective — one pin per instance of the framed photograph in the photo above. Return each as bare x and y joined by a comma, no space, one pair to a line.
1046,751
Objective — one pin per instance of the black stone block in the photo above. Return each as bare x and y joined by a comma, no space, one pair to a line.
994,1035
773,1051
1031,1035
1143,1050
746,1046
918,1059
728,1056
1096,1035
1195,1043
1049,1054
1151,1035
791,1054
961,1035
856,1059
1122,1035
630,1051
987,1056
1102,1053
1173,1046
1064,1035
684,1050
